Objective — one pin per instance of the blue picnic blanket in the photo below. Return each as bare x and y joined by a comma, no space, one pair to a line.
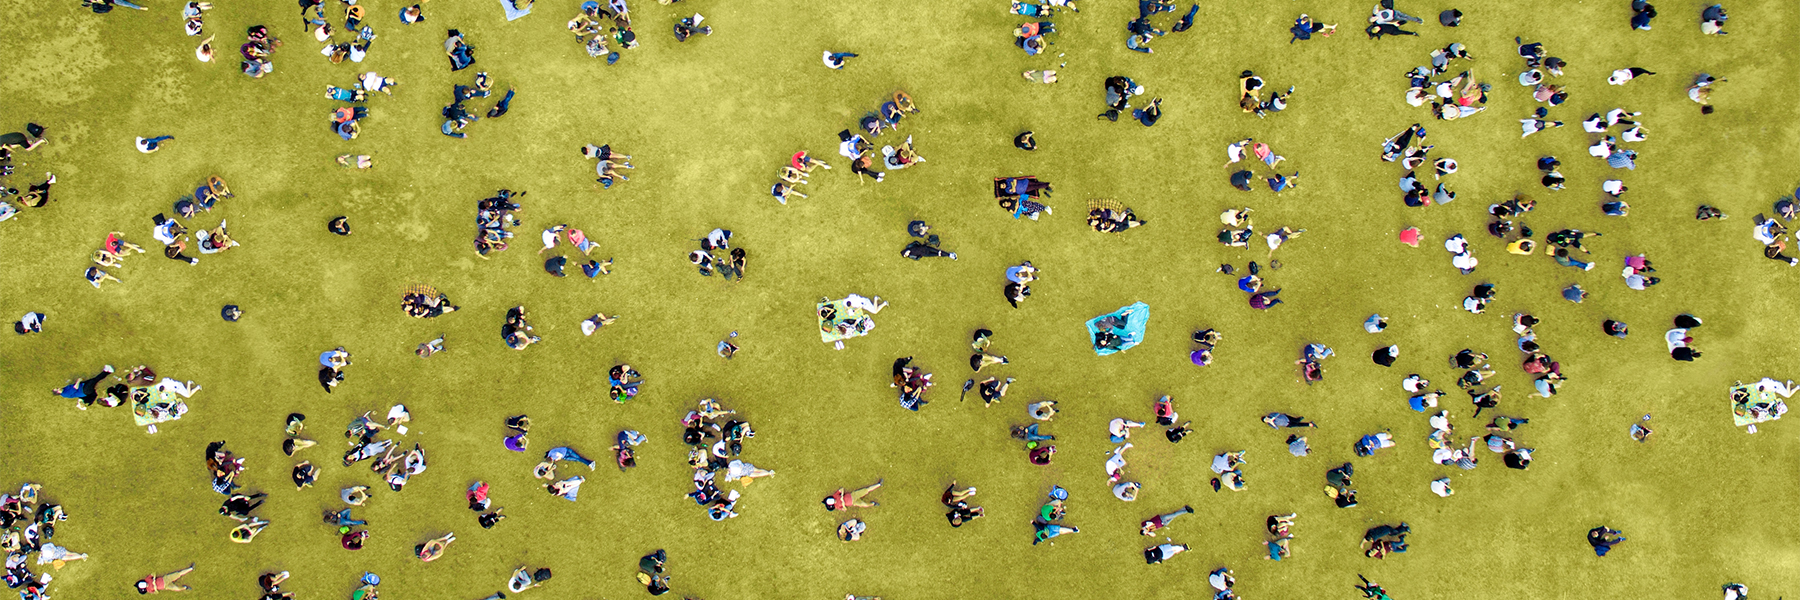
1127,323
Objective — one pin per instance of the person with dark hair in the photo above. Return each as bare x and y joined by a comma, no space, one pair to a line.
930,249
152,584
240,505
1603,538
32,322
1641,14
1613,328
1025,142
1385,356
1264,300
83,390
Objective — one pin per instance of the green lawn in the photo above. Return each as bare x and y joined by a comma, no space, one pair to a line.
710,120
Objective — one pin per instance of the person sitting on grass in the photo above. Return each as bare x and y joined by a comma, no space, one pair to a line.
1603,538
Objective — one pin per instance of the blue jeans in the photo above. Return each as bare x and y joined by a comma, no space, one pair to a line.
842,55
1132,43
567,453
1032,435
344,520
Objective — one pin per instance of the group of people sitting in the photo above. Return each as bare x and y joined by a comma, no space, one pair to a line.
1252,284
1382,540
1311,362
1458,97
596,24
1680,344
331,367
1229,468
516,331
1771,233
1607,148
1339,487
1119,91
1143,32
256,51
27,523
795,173
957,503
622,383
860,150
456,116
152,401
1250,95
1384,20
1047,524
493,215
393,465
421,304
361,35
173,234
715,437
608,165
555,265
461,54
237,507
716,253
1018,195
1030,36
1018,283
1243,178
1108,216
927,244
346,121
111,254
913,382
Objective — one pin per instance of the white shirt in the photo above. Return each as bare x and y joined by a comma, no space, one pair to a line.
1235,151
164,232
1456,244
1635,134
1601,149
1619,77
1441,487
1618,114
1594,124
1464,261
1613,186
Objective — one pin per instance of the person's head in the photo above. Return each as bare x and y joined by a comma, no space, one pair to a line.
830,502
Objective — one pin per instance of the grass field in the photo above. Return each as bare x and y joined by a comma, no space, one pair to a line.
710,120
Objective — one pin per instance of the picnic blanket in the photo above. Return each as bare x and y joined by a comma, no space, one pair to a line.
1758,402
838,321
158,406
1134,319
